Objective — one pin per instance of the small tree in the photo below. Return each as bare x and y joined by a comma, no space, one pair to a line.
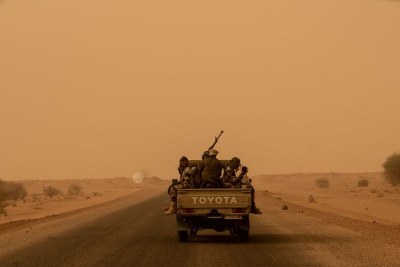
322,182
51,191
392,169
10,191
74,190
363,182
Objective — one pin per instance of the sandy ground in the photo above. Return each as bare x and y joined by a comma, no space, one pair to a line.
346,225
335,230
93,192
379,202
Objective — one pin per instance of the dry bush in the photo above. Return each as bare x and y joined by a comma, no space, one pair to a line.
74,190
96,194
51,191
10,191
392,169
322,182
363,183
3,210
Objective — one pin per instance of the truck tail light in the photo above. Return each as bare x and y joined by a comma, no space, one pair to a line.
239,210
186,210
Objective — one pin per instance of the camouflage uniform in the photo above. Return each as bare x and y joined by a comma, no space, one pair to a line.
186,181
183,163
231,177
235,176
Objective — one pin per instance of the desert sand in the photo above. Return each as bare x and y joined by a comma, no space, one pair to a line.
376,202
94,192
342,224
379,202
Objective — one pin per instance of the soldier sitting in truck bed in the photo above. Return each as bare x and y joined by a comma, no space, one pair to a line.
212,169
186,181
235,176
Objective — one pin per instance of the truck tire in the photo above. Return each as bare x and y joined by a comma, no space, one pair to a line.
183,236
243,235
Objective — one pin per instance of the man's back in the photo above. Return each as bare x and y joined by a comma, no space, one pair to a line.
212,169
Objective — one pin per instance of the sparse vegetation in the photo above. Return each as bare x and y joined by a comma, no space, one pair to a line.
3,210
51,191
74,190
96,194
363,183
392,169
10,191
322,183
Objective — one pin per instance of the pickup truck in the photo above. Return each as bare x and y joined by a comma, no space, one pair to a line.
213,208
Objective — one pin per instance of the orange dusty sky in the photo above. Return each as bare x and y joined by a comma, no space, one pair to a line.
106,88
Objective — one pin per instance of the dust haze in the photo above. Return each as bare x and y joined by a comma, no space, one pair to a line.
105,89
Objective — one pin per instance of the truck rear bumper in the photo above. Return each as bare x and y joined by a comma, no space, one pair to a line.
203,222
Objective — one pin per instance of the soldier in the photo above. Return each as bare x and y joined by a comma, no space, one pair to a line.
230,179
212,167
185,181
183,163
235,176
206,155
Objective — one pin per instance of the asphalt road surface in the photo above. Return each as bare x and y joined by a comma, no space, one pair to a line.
141,235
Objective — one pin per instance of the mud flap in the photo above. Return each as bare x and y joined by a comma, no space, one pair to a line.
181,224
245,224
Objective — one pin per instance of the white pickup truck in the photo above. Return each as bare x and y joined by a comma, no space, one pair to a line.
213,208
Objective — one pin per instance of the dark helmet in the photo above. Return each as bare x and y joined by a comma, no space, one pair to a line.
183,163
183,158
234,163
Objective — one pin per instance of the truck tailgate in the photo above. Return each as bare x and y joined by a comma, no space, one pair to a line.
214,198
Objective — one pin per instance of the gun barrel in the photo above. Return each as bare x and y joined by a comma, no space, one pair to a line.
216,140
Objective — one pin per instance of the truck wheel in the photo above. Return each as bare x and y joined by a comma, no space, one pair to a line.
183,236
243,235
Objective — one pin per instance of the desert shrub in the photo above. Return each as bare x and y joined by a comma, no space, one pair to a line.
51,191
11,191
322,182
363,183
74,190
392,169
3,210
96,194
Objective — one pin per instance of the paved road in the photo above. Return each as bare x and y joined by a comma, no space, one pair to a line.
140,235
